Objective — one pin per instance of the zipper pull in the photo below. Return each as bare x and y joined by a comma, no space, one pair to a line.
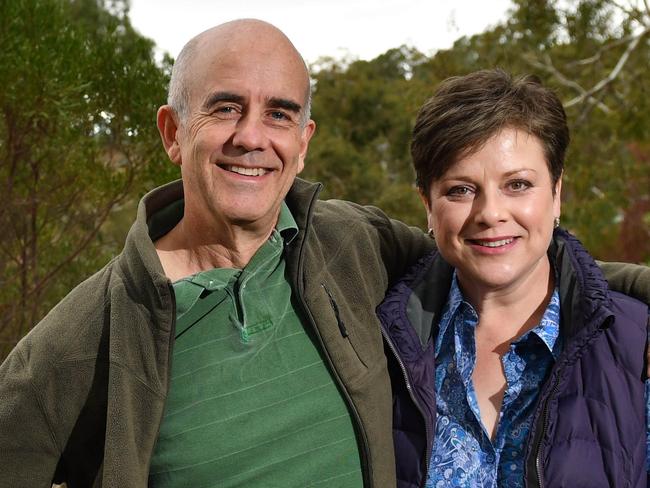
335,307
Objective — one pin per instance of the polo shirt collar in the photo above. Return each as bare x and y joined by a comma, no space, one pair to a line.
286,225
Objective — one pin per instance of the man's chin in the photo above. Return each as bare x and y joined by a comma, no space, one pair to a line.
262,216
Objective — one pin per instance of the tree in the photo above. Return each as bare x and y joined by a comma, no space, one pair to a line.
77,141
593,53
365,111
600,67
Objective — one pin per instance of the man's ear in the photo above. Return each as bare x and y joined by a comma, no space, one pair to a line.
168,128
305,137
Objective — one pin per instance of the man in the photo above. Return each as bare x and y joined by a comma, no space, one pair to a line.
277,375
233,342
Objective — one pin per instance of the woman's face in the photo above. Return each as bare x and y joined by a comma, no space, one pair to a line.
492,212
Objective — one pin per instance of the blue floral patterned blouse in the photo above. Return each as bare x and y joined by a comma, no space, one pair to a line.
463,453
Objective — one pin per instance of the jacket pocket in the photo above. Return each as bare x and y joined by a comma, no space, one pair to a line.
351,329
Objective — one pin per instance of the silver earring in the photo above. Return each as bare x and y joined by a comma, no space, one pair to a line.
430,232
556,222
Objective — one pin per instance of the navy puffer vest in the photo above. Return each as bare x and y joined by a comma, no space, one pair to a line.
589,428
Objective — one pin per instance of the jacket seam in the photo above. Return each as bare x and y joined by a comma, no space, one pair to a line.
613,450
41,405
113,362
136,377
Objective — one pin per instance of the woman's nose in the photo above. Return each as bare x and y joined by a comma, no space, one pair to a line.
490,209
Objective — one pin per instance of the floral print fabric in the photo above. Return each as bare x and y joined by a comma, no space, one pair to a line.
463,453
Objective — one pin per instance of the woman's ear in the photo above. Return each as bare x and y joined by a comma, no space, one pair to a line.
557,197
427,207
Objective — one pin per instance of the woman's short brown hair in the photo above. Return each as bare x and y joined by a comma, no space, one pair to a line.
466,111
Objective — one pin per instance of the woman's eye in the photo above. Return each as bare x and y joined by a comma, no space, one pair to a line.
519,185
459,191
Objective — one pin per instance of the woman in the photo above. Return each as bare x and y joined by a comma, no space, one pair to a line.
520,368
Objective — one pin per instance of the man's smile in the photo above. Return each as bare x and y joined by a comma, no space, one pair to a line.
246,171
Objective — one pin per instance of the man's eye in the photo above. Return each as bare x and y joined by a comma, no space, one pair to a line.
278,115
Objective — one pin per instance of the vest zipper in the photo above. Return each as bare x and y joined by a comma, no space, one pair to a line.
545,409
409,388
538,444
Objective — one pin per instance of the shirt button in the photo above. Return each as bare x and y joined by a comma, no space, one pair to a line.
490,459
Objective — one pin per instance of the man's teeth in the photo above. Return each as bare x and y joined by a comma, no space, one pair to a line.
246,171
502,242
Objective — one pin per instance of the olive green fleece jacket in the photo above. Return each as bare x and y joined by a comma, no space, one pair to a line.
82,395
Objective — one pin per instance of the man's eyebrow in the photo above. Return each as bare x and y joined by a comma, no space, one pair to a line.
221,96
285,104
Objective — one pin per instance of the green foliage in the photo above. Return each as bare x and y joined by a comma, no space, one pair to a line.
78,139
78,142
365,110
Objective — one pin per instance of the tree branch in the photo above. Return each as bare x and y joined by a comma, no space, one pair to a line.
613,74
37,288
599,53
633,12
548,66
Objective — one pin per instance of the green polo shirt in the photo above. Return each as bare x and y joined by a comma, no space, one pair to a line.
251,402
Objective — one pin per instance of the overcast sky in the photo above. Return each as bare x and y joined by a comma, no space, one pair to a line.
360,28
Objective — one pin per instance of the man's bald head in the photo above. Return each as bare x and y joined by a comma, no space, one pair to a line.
237,35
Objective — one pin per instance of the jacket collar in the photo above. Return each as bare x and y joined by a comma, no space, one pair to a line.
583,289
300,200
141,269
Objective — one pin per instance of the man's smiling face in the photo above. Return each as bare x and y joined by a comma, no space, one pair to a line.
244,139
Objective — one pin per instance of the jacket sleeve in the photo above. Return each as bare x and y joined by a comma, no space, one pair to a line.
27,442
630,279
401,245
647,426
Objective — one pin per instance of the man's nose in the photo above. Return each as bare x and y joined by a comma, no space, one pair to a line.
250,133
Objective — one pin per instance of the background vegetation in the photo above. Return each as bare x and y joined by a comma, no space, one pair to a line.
78,143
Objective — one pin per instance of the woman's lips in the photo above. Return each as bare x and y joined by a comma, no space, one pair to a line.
493,245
